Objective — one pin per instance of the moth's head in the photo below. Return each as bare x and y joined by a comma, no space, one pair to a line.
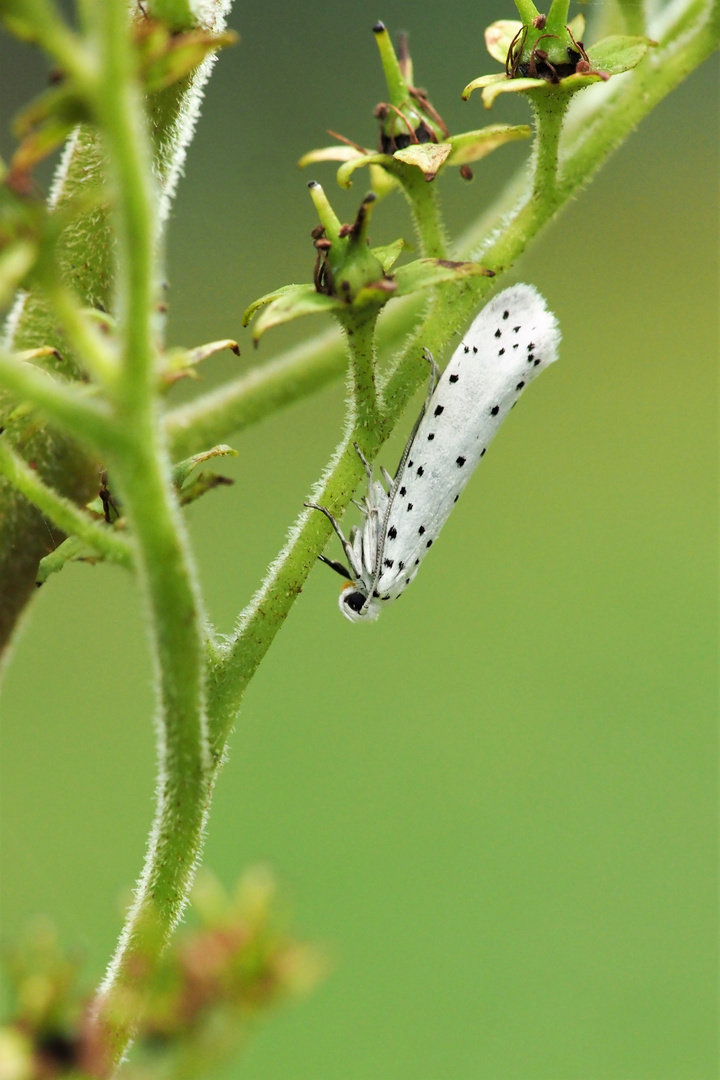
356,605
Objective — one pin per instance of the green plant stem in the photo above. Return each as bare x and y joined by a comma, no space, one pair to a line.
360,338
172,596
51,32
184,768
66,404
61,511
423,200
84,339
549,110
634,16
683,47
123,122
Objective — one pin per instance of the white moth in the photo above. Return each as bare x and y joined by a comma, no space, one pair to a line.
511,341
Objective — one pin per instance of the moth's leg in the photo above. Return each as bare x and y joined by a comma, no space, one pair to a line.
337,567
386,477
347,548
366,464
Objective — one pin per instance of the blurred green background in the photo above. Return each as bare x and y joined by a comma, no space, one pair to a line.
497,806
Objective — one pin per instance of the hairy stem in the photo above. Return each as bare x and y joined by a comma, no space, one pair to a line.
184,769
360,336
550,110
166,571
61,511
423,200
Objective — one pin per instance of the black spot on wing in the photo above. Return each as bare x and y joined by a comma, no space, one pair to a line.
429,543
431,436
495,410
421,530
506,314
420,471
520,385
410,506
501,353
498,332
389,563
439,409
460,461
403,491
454,378
392,532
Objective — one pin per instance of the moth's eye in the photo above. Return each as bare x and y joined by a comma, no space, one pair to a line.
354,600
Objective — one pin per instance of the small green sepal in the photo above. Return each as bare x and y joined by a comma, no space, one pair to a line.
165,56
181,363
189,492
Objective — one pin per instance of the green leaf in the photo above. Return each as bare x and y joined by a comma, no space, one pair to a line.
473,145
167,58
16,261
45,124
345,171
268,298
499,37
330,153
484,80
180,363
428,157
511,86
182,469
302,301
618,53
388,254
576,27
71,550
426,273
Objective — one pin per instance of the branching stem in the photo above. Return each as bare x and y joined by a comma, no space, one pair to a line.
62,512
